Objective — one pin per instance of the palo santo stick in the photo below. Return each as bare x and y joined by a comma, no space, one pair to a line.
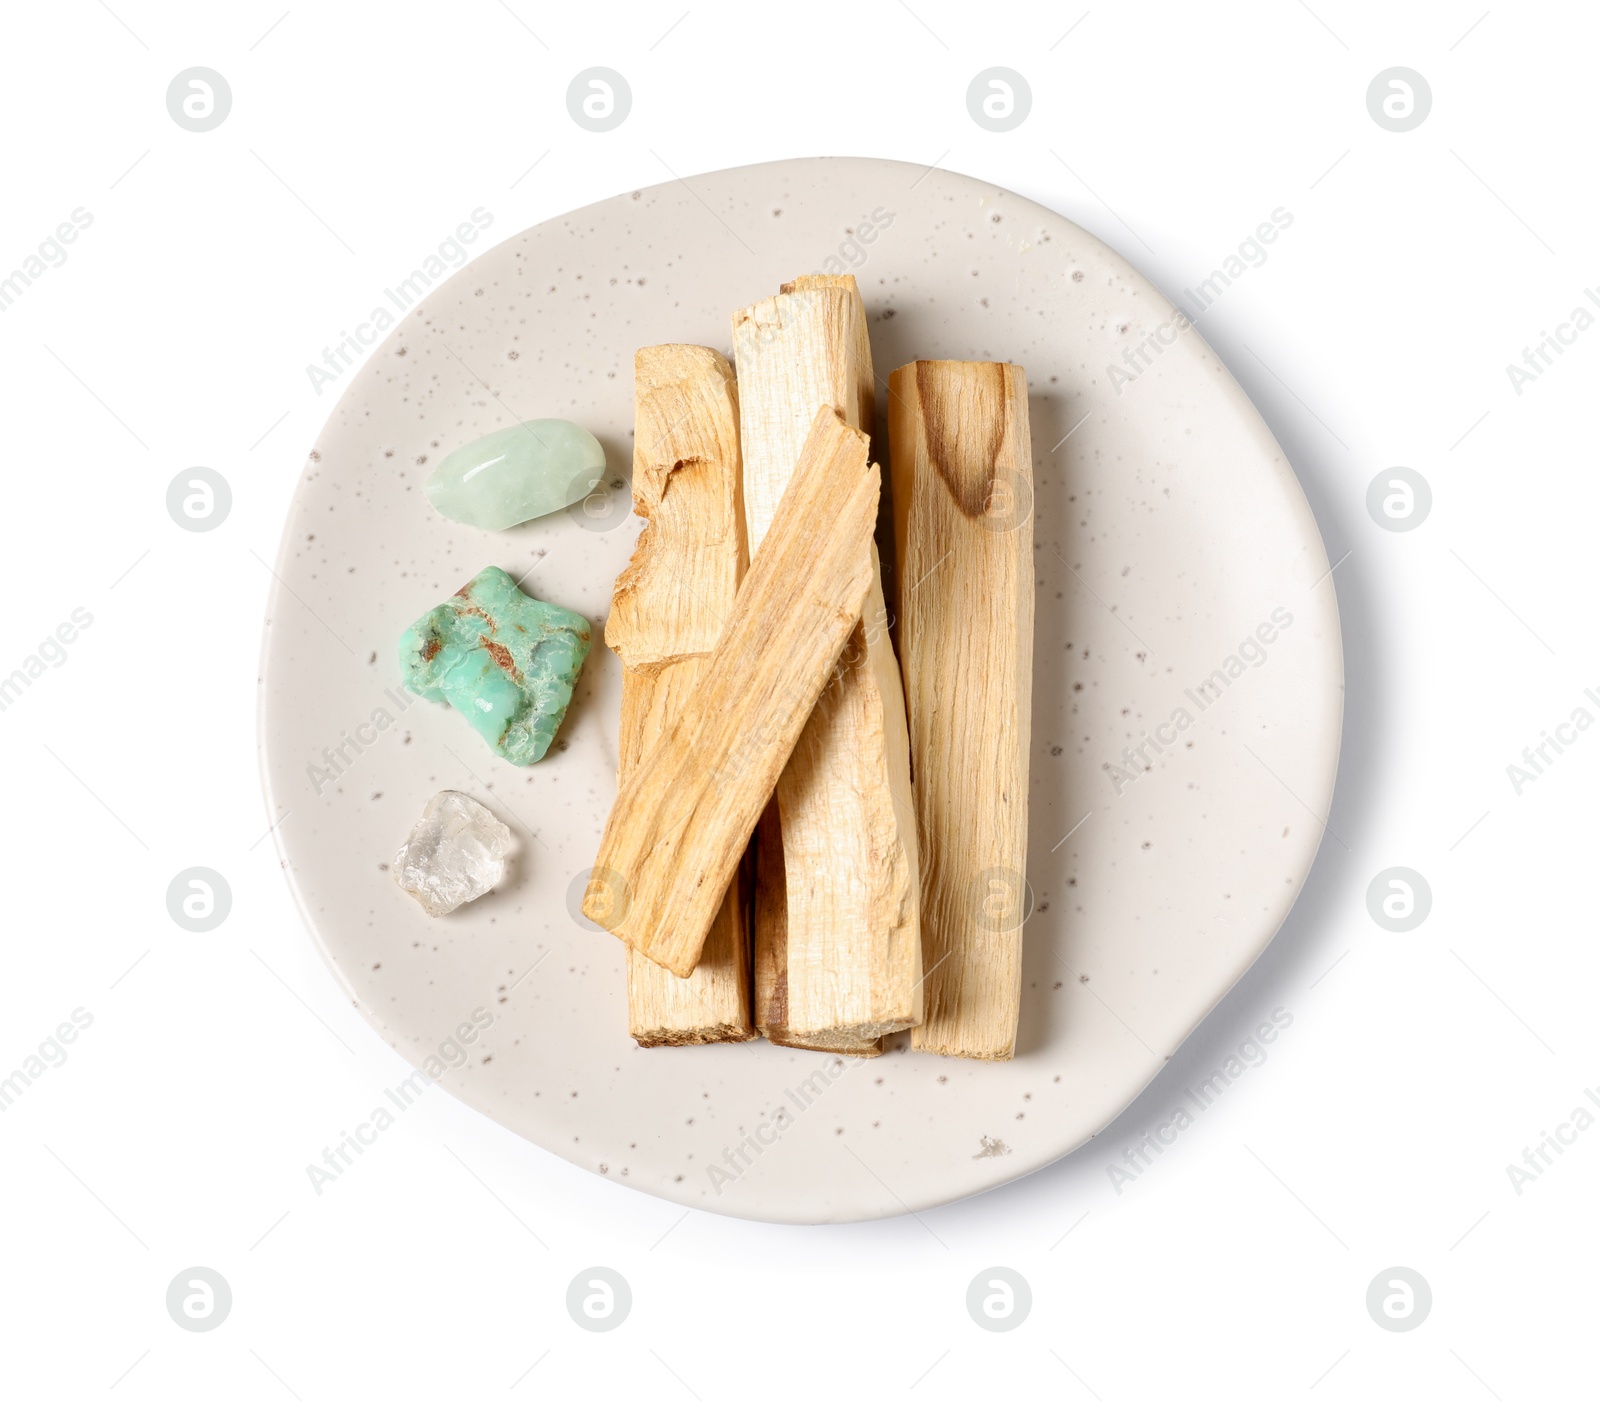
845,381
666,615
962,467
684,816
849,947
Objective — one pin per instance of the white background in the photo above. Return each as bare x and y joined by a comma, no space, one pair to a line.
1418,1065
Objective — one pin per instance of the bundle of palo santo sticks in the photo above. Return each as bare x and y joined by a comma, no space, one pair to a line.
812,841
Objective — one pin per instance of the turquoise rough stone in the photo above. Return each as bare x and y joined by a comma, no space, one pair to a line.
517,473
506,661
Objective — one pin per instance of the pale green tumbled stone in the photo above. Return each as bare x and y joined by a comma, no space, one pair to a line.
506,661
515,474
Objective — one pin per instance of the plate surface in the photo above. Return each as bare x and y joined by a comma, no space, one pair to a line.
1181,594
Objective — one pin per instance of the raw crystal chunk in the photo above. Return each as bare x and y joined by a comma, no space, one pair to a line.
517,473
506,661
455,853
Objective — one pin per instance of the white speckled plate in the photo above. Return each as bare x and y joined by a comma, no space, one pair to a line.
1178,571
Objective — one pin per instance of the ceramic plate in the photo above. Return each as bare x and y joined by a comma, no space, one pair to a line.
1187,694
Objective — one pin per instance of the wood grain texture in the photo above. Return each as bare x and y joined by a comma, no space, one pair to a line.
846,957
962,471
683,817
771,915
667,612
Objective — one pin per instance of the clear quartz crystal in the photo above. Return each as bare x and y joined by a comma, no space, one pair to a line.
455,853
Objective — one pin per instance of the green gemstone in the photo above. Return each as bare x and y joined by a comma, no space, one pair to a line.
517,473
506,661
